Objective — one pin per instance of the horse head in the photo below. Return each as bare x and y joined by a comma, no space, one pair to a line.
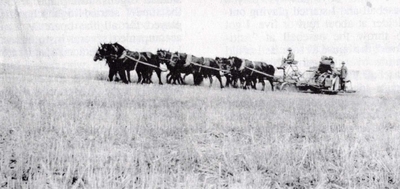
162,56
112,49
99,54
104,51
172,58
224,63
232,60
161,53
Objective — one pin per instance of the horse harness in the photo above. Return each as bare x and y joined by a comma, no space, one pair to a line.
243,66
188,60
209,67
252,70
125,56
170,59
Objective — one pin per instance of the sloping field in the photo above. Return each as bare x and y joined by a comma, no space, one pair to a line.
65,128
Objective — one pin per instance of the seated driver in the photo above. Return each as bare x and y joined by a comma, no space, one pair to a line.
288,60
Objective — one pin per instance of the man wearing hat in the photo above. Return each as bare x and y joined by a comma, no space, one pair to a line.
343,75
289,59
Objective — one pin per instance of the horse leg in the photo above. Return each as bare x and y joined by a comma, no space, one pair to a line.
194,78
151,74
231,82
211,80
254,82
262,82
174,79
247,83
272,83
169,77
123,76
139,74
234,82
158,72
180,79
220,80
146,77
128,73
111,74
242,82
227,81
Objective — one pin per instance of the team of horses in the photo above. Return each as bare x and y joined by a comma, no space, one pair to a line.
239,72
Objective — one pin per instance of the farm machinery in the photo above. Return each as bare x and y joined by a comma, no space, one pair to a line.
287,82
312,80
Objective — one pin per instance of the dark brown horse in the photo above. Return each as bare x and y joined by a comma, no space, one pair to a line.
144,62
104,52
170,60
231,75
207,67
183,65
253,70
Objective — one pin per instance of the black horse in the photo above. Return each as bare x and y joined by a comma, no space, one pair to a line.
144,62
230,74
185,65
253,70
208,68
170,60
104,52
180,63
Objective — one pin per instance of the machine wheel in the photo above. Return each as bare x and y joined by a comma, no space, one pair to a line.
277,86
289,87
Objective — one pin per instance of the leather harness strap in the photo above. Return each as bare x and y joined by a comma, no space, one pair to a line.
188,60
137,61
242,66
123,55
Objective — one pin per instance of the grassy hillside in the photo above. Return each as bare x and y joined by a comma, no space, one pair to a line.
65,128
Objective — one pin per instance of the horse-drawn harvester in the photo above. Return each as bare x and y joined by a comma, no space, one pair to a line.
314,79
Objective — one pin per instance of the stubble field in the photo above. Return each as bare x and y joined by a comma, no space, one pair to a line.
71,129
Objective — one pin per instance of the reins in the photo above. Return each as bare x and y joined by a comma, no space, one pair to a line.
208,67
145,63
197,64
262,73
